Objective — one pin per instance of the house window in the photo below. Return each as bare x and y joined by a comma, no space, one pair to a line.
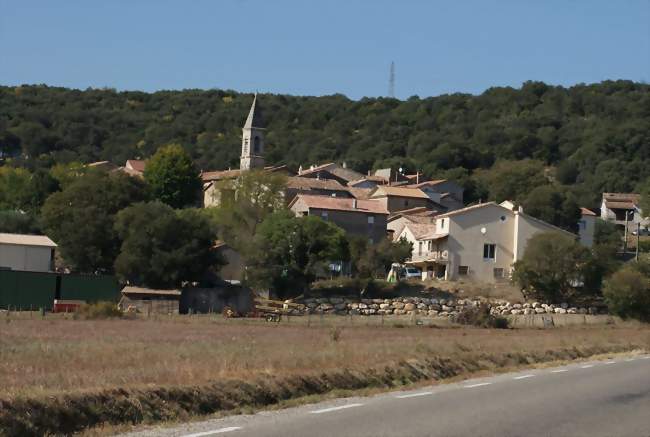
305,213
406,202
324,215
256,145
463,270
498,272
371,219
430,246
419,248
442,224
490,252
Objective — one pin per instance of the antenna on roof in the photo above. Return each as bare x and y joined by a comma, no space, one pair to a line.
391,81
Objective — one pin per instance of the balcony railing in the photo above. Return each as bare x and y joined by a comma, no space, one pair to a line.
436,255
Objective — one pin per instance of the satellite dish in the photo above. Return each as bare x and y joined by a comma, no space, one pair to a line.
483,231
401,170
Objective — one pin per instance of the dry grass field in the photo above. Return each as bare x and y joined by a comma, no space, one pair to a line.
56,355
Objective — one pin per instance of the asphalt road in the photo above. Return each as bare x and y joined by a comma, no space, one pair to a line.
601,398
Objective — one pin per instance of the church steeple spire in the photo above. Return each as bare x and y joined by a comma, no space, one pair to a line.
254,118
252,148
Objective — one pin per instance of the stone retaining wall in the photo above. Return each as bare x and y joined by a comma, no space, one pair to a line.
428,307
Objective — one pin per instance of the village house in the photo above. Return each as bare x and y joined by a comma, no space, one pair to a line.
587,227
32,253
622,209
478,243
339,173
443,192
364,218
397,199
420,215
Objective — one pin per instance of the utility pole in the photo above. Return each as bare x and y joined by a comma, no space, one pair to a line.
625,238
391,81
638,234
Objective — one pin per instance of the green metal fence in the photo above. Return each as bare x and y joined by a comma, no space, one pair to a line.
90,288
27,290
34,290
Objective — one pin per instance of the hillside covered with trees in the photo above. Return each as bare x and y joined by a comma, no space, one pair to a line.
580,141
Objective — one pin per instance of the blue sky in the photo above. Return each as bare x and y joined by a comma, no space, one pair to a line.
321,47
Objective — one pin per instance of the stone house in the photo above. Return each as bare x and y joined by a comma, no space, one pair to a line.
443,192
478,243
421,215
615,207
397,199
364,218
339,173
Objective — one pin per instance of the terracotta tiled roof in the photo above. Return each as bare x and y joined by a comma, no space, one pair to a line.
335,169
360,193
26,240
311,183
208,176
340,204
399,192
469,208
426,183
622,197
136,164
371,178
218,175
585,211
419,230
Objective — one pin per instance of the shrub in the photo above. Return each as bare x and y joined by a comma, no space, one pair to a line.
627,294
481,317
98,310
551,265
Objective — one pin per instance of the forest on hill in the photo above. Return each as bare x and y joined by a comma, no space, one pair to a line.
581,140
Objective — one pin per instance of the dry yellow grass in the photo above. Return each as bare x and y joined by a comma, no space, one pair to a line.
53,356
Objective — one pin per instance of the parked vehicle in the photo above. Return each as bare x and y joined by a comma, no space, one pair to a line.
412,273
642,232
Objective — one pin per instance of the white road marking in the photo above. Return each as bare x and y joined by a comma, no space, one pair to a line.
587,366
214,431
610,362
559,371
524,377
477,385
342,407
414,395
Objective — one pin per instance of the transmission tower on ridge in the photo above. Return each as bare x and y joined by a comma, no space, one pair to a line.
391,80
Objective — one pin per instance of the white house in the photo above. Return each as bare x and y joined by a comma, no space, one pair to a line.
34,253
478,243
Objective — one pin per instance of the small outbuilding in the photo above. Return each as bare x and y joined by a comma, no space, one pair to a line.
149,300
30,253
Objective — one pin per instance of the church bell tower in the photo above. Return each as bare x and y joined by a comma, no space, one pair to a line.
252,146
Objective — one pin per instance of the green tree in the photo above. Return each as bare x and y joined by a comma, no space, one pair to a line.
163,247
173,177
627,294
551,264
291,252
67,173
374,260
15,222
512,180
14,188
645,198
80,218
244,203
553,205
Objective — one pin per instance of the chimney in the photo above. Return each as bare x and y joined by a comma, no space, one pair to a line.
417,177
354,203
